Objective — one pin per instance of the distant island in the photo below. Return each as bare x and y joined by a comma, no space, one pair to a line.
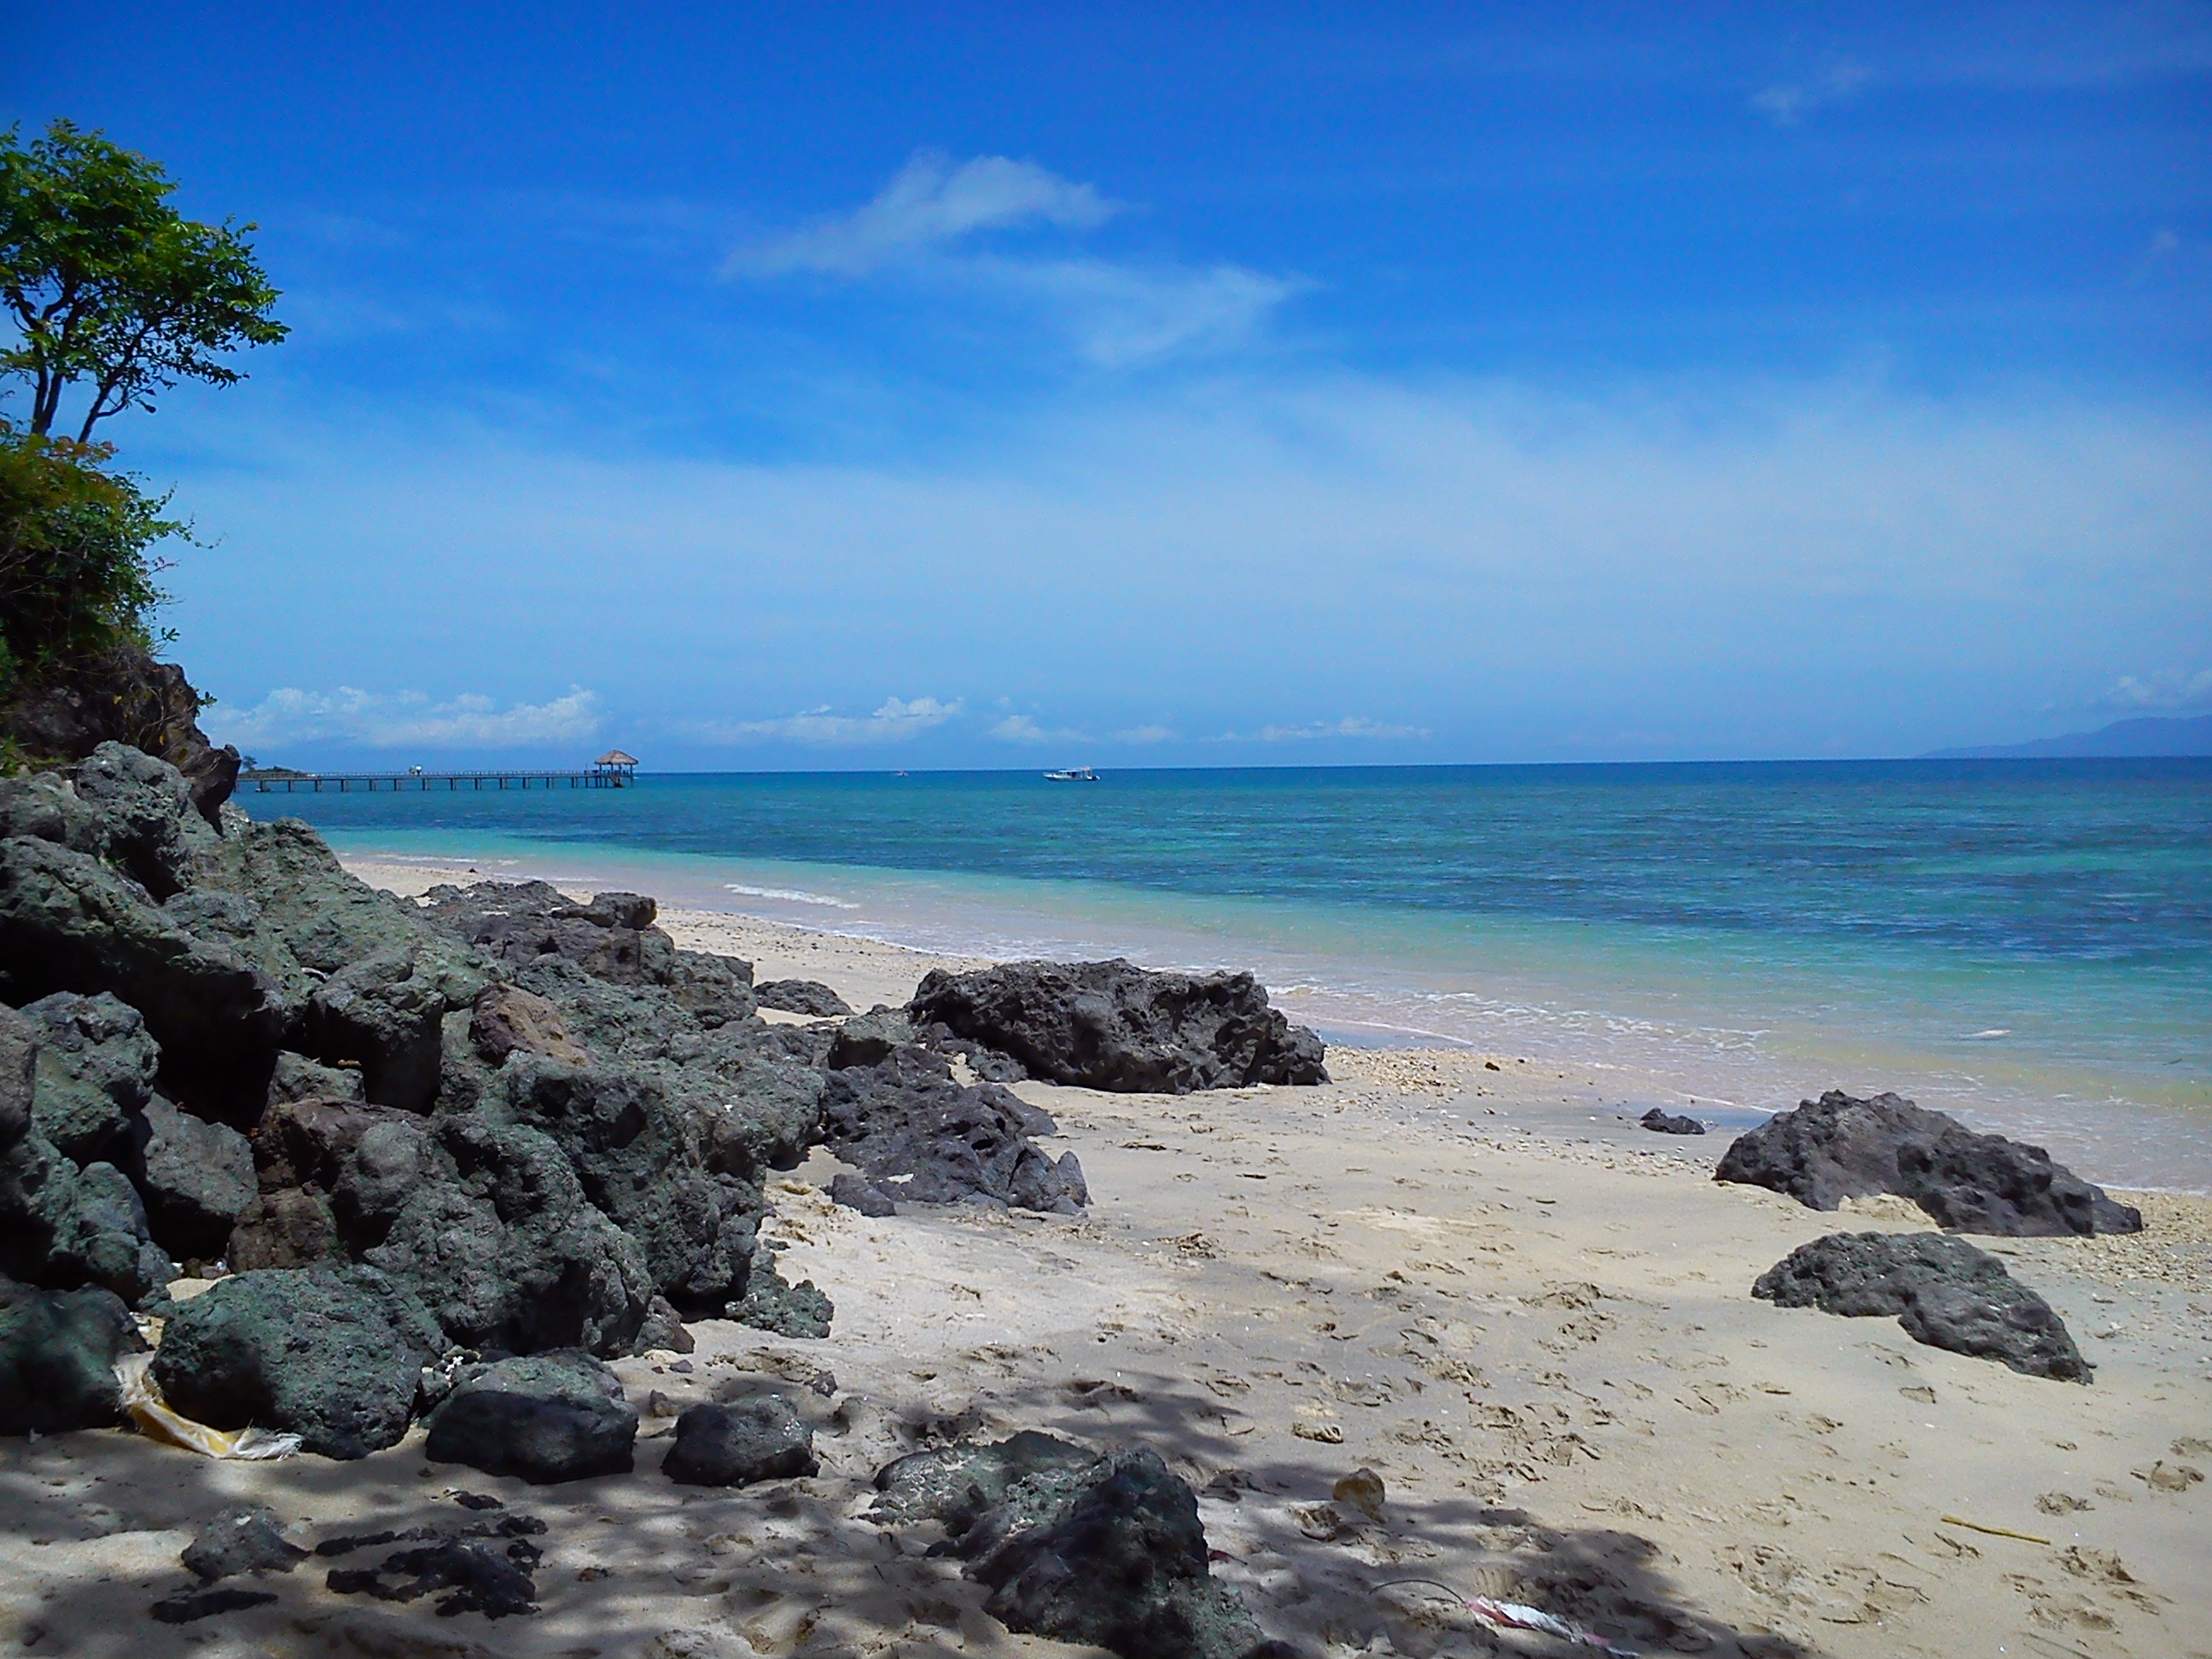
2151,735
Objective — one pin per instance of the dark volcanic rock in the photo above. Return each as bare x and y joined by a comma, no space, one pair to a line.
545,1417
58,1354
479,1578
771,1303
95,1074
859,1193
123,696
69,923
325,919
508,1018
197,1178
764,1113
141,817
869,1039
62,1226
1107,1552
295,1077
290,1228
487,1223
921,1135
1659,1120
1943,1290
757,1439
19,1073
523,924
385,1013
1113,1025
245,1539
801,996
1839,1147
332,1354
638,1156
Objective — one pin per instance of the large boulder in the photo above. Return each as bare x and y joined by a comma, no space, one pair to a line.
612,938
638,1155
1107,1552
142,814
761,1438
122,696
1943,1290
58,1354
69,923
196,1179
385,1013
810,997
487,1221
545,1417
96,1066
332,1354
327,918
922,1135
19,1073
62,1226
245,1538
1114,1025
761,1111
1841,1146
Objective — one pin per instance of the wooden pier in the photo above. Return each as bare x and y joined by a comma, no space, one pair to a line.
266,783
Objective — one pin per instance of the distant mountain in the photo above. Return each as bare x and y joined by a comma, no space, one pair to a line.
2156,735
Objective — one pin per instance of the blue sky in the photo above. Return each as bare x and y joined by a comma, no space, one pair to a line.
823,385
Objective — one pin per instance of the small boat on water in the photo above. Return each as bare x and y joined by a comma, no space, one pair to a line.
1073,774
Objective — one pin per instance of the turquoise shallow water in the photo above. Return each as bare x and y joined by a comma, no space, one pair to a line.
2026,943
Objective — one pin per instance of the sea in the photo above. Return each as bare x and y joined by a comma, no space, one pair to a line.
2027,944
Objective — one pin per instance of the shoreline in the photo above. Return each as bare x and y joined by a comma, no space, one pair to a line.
1529,1319
1722,1077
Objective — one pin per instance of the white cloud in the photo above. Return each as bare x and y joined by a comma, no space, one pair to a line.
1121,315
1786,103
933,203
2161,693
1146,735
404,718
1351,726
895,718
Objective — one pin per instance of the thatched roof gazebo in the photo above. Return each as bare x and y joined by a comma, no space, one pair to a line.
615,770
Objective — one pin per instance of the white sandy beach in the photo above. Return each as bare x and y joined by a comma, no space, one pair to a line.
1464,1273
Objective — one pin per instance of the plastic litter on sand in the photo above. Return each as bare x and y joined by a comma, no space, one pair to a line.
156,1420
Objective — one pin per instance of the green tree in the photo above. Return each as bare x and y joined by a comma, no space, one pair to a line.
107,284
77,569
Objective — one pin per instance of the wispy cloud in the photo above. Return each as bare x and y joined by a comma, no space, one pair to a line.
1786,103
1351,726
2157,693
895,718
403,719
932,203
921,229
1122,315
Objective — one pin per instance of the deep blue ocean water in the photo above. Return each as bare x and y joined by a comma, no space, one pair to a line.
2027,942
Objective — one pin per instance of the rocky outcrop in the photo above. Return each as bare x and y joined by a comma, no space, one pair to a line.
1661,1121
810,997
95,1075
1107,1552
543,1418
196,1179
638,1156
1114,1025
246,1539
62,1226
331,1354
757,1439
772,1303
1943,1290
58,1354
487,1224
923,1136
123,697
1840,1146
69,923
386,1012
